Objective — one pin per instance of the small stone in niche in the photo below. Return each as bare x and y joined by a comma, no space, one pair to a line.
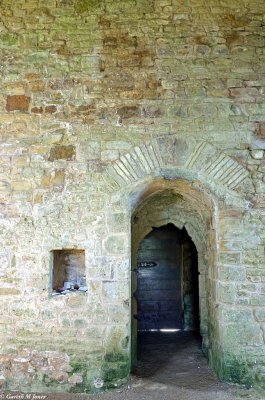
83,289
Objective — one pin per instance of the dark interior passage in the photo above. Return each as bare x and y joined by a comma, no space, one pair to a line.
159,302
167,301
167,281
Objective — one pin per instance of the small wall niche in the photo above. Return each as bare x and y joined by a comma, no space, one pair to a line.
68,271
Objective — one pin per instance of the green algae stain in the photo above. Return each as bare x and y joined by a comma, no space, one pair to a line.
83,6
113,373
116,357
83,387
78,366
81,366
8,39
237,371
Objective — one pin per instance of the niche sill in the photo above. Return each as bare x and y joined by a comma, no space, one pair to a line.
66,291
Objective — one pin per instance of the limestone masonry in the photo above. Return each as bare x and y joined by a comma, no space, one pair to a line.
117,116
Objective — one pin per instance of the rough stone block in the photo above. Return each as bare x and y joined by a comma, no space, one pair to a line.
50,109
257,154
227,293
88,150
75,378
230,258
62,152
17,103
233,273
116,244
109,155
128,112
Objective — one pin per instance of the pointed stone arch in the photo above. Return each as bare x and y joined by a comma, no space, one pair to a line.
174,206
202,159
215,184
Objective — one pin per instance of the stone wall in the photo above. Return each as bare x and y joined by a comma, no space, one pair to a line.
98,100
191,307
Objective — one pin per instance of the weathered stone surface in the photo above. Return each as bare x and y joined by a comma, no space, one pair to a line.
106,105
75,378
62,153
17,102
2,381
53,179
9,291
115,244
246,335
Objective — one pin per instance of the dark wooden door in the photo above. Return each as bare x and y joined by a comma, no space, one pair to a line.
159,299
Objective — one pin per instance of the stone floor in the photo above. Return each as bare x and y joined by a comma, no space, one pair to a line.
171,367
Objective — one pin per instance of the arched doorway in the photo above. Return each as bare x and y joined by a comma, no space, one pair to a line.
211,194
171,251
